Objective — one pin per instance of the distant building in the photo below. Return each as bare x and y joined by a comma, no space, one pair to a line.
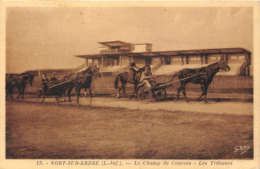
114,57
49,72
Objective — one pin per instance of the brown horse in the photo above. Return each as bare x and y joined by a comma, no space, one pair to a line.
124,79
19,82
202,76
81,80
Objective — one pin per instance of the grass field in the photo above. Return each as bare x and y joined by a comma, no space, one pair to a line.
52,131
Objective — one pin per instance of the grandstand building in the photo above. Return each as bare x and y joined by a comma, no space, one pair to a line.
114,57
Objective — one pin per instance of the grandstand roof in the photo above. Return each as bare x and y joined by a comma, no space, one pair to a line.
115,43
172,53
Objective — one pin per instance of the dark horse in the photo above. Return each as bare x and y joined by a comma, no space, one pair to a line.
202,76
19,82
82,79
123,77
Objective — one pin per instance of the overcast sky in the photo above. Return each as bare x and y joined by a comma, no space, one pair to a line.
39,38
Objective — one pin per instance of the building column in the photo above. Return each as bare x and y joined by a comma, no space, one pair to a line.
120,61
187,59
182,60
102,61
87,62
205,59
226,57
162,60
201,59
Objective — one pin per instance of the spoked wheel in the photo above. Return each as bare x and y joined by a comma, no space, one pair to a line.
159,95
144,94
40,96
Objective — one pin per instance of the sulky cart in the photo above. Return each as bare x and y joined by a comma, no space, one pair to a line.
158,90
56,90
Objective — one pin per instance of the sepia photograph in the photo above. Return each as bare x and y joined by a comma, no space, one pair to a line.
140,82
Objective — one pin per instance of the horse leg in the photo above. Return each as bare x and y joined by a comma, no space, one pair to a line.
205,93
69,94
19,94
85,92
178,94
135,87
184,94
202,94
43,97
23,93
78,94
64,97
120,88
118,92
134,93
90,91
124,90
17,97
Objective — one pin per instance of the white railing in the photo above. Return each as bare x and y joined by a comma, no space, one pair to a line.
156,67
113,51
81,67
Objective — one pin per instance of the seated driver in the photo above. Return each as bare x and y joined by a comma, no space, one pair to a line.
54,80
44,82
133,65
146,76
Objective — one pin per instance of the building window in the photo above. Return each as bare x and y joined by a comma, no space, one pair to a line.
90,61
212,58
241,57
167,60
176,59
116,61
195,58
233,57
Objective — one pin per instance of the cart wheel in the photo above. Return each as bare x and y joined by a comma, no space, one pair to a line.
40,95
159,95
144,94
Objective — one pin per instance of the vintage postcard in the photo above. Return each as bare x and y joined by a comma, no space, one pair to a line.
116,84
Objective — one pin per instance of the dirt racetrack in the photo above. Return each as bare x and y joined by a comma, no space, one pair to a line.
216,106
162,130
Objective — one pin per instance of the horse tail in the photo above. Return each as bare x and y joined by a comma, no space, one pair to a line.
116,80
174,75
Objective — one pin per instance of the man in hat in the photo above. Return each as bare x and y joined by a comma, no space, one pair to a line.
133,69
44,82
54,80
146,76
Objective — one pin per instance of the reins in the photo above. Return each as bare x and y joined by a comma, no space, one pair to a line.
172,82
69,81
62,83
